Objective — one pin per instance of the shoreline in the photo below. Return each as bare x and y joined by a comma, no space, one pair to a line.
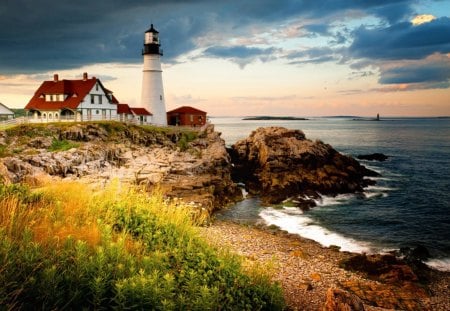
306,269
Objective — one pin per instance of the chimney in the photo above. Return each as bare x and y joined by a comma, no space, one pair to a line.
55,77
85,76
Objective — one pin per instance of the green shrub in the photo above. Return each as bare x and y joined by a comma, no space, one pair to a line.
3,151
185,138
148,256
62,145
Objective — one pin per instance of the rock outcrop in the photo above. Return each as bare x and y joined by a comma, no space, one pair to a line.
190,165
275,163
340,300
395,285
278,163
373,157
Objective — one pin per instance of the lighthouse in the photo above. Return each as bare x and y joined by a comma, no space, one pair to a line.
152,97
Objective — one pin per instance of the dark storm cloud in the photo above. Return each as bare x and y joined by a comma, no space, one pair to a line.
318,29
422,72
240,54
237,51
402,41
48,34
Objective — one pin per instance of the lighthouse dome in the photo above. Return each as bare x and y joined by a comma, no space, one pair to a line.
152,30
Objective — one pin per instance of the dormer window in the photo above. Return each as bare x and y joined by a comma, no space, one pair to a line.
51,98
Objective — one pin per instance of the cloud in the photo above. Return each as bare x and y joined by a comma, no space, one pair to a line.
434,69
55,35
402,40
411,87
318,29
393,11
421,19
240,54
314,55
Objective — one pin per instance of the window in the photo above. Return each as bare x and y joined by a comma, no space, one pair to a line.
160,97
51,98
97,112
57,97
92,99
100,99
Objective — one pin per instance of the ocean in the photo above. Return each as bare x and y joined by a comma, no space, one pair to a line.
408,207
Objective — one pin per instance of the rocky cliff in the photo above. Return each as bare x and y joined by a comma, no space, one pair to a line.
277,163
274,162
192,165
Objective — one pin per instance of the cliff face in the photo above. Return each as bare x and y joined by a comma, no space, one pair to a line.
193,166
278,163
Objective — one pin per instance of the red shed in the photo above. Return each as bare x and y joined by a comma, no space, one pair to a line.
186,116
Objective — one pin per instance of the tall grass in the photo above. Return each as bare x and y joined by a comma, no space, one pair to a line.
67,246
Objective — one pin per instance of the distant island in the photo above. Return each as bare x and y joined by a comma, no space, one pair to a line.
263,118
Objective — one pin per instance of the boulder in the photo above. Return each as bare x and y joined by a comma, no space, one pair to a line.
278,163
340,300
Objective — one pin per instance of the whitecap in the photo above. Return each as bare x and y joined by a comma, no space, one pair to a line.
305,227
380,188
333,200
370,195
442,264
292,210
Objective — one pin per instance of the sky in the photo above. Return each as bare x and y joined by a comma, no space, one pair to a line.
240,57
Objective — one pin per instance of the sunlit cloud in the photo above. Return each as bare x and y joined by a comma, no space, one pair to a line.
421,19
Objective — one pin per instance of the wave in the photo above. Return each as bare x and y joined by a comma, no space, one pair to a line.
377,191
442,264
298,223
385,173
333,200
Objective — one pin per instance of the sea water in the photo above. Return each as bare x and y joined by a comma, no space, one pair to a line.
409,205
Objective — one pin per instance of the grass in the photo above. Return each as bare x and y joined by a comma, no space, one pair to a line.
62,145
66,246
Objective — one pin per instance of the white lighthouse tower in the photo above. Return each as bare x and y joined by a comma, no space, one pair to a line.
152,97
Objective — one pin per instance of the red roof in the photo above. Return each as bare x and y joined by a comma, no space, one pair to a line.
123,108
140,111
187,109
75,89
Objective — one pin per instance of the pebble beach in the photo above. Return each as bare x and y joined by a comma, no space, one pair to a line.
306,270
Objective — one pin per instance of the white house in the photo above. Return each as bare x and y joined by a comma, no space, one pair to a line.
135,115
5,113
76,100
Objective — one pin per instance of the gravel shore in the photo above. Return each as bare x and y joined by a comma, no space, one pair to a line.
306,270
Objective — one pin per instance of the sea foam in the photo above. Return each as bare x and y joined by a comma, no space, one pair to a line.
442,264
299,223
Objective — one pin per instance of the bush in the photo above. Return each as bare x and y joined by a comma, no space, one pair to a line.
117,248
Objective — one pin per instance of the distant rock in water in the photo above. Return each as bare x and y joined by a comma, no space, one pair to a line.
264,118
277,163
373,157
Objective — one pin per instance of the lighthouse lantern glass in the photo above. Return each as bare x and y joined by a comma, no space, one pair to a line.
151,38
